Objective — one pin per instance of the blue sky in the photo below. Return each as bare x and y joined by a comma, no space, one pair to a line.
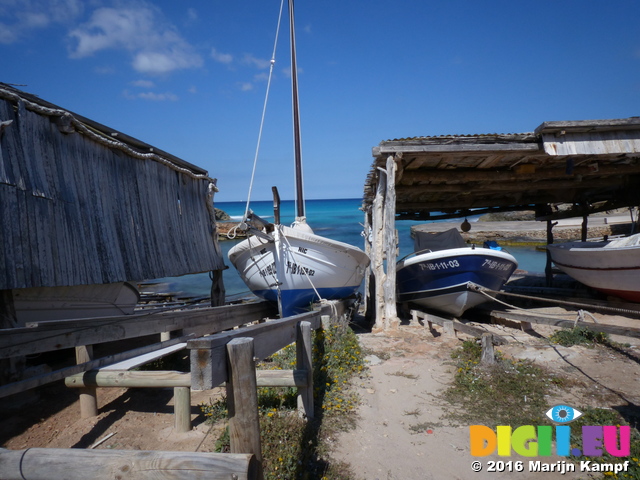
189,77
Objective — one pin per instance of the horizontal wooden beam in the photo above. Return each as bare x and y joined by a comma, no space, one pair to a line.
104,464
166,379
456,325
210,320
127,379
596,327
457,175
500,187
208,354
61,334
480,148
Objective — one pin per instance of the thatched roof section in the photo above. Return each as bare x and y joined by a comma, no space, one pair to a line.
85,204
592,163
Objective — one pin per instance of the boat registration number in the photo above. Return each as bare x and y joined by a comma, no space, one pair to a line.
296,269
495,265
442,265
268,270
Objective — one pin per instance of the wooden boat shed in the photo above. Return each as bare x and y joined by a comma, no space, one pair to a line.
592,165
84,204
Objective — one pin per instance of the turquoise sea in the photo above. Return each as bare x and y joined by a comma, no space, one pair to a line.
338,219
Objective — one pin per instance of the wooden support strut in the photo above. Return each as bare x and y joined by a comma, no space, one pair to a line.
452,326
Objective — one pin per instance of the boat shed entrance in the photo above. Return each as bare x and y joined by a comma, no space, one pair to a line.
591,165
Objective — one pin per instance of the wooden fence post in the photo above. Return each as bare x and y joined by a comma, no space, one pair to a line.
304,361
242,400
88,395
182,409
488,356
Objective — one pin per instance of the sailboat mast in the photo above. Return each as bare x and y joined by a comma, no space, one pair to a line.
300,207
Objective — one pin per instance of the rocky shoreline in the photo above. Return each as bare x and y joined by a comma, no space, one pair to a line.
531,232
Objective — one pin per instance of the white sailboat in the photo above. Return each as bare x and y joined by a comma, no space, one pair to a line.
290,264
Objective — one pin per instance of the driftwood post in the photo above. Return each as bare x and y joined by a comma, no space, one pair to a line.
304,362
88,395
242,400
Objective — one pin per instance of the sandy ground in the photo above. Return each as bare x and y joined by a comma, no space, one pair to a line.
401,431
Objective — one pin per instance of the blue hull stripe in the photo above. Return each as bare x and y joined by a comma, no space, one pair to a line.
299,301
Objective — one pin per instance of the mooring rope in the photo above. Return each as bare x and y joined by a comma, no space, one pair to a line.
264,111
304,270
485,291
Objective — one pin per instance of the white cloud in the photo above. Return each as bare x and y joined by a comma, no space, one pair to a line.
22,17
151,96
260,63
226,58
246,86
143,83
158,97
140,28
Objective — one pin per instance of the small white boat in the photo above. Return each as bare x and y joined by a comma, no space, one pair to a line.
292,265
441,273
298,268
612,267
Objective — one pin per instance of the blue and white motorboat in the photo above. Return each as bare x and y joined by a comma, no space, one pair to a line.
442,271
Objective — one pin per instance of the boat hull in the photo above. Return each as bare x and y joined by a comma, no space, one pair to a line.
440,280
298,268
614,271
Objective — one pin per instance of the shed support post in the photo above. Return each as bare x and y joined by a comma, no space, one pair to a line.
548,269
369,280
390,245
242,400
304,362
218,292
88,395
377,259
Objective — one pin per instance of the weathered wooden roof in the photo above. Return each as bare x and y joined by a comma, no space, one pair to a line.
577,162
82,203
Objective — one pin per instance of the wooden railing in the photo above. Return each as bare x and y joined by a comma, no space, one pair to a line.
227,356
82,334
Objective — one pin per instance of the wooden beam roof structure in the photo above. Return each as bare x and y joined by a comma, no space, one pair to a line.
593,164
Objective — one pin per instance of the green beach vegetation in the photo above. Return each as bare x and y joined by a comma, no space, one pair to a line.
292,447
515,392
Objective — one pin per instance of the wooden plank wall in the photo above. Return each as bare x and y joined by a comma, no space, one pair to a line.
592,143
75,211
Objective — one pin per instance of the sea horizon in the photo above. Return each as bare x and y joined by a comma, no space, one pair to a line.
339,219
